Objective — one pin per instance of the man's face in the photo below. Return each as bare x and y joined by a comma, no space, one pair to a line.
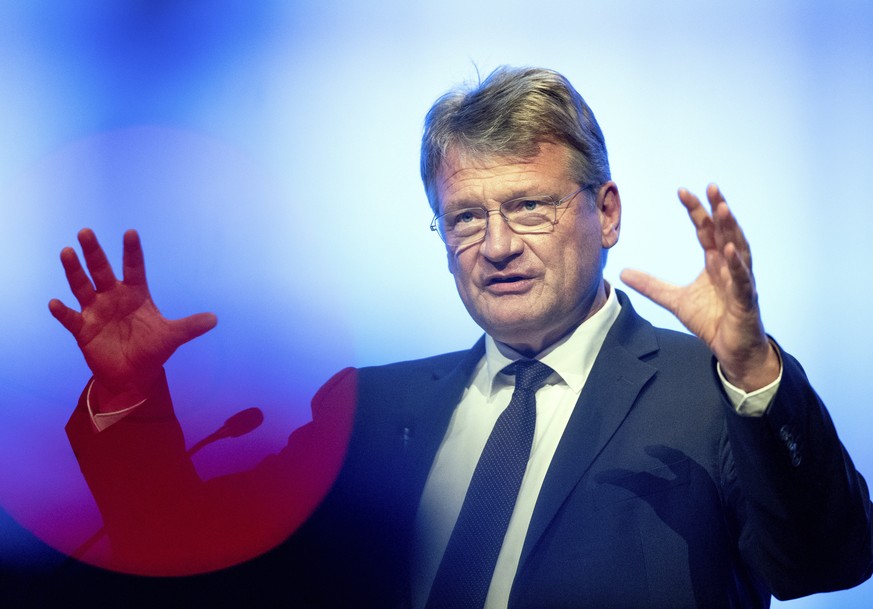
529,290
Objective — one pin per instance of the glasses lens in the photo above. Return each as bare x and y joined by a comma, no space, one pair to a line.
463,225
529,214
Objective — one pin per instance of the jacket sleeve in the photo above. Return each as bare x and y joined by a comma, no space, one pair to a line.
804,512
162,519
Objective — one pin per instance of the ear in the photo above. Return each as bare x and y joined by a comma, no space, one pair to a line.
609,210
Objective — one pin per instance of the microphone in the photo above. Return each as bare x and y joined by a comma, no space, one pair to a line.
238,425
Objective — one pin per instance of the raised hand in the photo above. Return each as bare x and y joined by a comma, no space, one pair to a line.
123,336
721,305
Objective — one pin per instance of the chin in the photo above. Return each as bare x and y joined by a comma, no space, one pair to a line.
510,333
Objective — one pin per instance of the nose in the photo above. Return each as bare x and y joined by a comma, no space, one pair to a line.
500,242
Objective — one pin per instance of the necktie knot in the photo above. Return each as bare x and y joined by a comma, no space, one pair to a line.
530,374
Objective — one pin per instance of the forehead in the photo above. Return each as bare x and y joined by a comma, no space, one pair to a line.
467,179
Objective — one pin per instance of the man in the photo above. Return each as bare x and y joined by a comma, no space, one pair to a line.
656,469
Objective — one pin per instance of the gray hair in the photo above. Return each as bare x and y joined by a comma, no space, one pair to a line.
508,115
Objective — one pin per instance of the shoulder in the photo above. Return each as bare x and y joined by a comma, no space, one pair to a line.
679,366
672,343
392,378
685,366
422,369
636,334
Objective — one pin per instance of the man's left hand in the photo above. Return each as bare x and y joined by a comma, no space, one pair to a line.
721,305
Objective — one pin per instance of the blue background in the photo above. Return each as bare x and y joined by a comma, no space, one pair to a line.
218,128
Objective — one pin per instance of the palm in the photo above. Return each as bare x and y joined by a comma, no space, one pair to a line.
122,334
699,306
121,338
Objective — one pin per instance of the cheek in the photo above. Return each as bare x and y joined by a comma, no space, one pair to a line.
461,266
578,266
459,261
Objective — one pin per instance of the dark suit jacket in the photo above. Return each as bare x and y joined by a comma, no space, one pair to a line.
659,494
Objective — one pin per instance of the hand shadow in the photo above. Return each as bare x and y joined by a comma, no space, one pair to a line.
673,491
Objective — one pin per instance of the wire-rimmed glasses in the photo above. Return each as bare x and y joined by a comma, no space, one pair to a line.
524,215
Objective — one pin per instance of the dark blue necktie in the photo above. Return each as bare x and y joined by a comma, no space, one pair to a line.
465,571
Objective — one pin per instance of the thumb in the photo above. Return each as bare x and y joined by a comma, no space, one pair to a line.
189,328
656,290
69,318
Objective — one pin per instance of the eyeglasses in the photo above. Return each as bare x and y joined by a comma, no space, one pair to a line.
523,215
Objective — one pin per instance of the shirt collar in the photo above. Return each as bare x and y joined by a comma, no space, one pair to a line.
571,358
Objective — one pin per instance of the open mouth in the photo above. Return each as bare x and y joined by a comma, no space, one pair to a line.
509,279
508,284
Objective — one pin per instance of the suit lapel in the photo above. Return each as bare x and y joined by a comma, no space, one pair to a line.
427,410
617,377
609,394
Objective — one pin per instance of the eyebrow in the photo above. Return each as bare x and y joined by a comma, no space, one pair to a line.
517,193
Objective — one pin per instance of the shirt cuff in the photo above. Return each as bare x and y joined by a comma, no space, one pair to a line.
104,420
755,403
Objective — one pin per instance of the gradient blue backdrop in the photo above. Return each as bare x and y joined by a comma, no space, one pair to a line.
268,154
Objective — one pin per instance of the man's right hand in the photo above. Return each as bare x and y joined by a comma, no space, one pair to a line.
123,336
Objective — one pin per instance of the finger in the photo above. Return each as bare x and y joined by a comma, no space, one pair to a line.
699,217
727,228
715,196
742,280
717,204
70,319
134,262
656,290
78,280
189,328
95,259
731,232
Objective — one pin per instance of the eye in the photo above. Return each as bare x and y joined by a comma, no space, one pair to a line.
526,205
463,221
464,217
